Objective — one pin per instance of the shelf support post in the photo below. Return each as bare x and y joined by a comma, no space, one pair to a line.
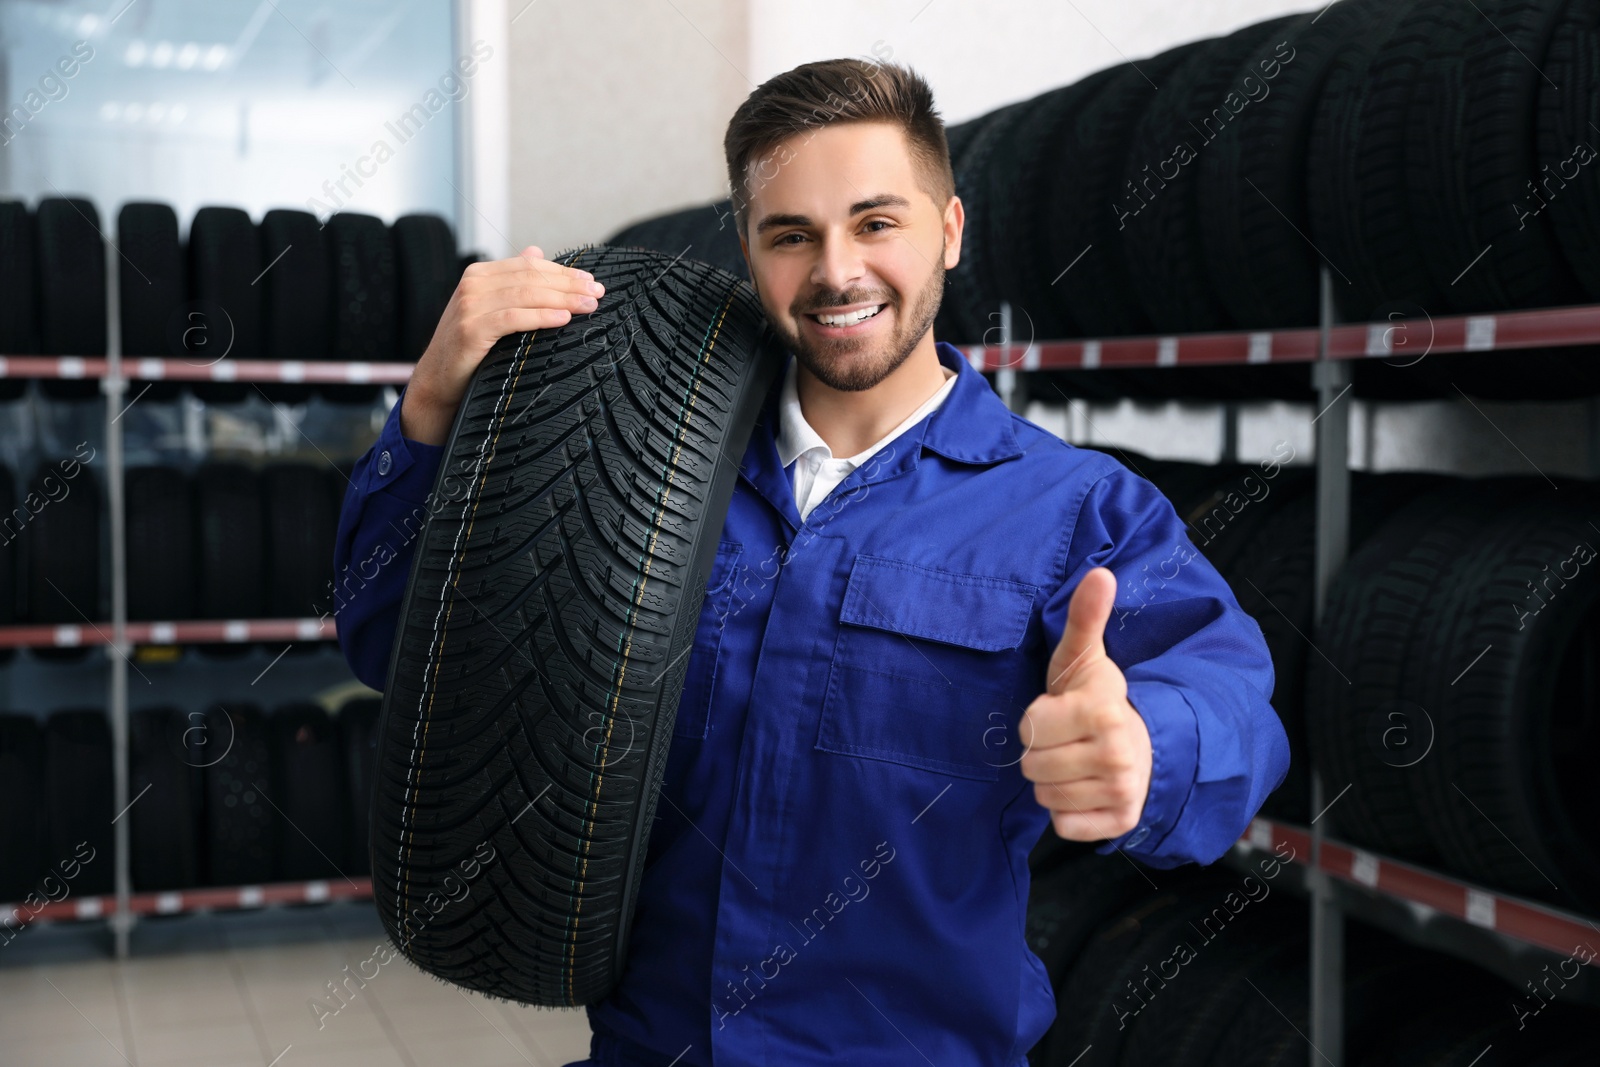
114,387
1332,425
1229,450
1007,382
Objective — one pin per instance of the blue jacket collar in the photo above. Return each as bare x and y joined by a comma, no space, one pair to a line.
973,426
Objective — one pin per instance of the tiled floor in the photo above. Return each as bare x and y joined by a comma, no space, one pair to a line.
234,990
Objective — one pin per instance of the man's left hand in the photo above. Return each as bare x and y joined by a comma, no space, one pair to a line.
1089,753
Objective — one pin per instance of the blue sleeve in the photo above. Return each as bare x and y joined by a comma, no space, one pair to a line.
1198,670
384,507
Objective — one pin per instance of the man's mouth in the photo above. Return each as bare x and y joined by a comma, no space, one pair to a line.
846,319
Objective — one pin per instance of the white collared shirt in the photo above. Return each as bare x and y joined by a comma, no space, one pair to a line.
817,472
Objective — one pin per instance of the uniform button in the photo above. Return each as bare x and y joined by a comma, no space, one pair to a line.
384,463
1135,838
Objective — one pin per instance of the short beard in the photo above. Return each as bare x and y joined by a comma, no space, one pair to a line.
850,375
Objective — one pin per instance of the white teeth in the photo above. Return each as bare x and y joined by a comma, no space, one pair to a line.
849,319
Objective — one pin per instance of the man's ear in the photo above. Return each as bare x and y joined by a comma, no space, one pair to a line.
954,222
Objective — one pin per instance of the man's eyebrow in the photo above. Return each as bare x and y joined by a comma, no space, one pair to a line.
881,200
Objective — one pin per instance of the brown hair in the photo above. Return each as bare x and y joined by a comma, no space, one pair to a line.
814,95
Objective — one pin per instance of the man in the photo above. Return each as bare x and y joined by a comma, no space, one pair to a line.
906,664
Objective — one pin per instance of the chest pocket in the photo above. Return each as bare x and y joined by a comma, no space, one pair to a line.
701,677
927,669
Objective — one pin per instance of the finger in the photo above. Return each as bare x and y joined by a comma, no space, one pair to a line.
1100,820
566,279
528,289
529,258
547,268
520,320
521,261
1083,638
1050,721
1085,794
1117,792
1079,758
1097,825
1091,709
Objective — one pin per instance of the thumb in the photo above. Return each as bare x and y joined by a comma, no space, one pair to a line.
1083,639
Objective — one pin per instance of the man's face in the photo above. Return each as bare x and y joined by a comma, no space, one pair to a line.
838,224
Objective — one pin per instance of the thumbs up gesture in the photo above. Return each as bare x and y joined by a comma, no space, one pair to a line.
1089,753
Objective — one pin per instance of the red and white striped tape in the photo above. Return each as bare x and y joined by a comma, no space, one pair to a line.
1523,920
1541,328
16,915
225,370
210,631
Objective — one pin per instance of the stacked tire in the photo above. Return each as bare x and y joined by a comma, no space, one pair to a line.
230,541
705,233
290,289
1210,966
1256,525
1455,690
58,550
1449,682
222,796
225,542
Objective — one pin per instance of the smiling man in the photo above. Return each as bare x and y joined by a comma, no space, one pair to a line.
902,674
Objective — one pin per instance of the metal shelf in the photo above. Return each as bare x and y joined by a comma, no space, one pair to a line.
119,635
186,901
198,632
211,631
1503,933
1495,930
236,370
1540,328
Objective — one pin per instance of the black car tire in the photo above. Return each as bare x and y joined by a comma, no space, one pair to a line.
596,462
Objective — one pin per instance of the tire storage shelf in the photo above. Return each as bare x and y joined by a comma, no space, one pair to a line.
372,299
1487,927
205,631
119,635
1444,335
208,898
178,370
1496,930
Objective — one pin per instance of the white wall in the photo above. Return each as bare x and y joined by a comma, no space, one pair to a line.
483,132
979,55
618,111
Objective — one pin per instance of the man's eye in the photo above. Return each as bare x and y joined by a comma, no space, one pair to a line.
879,222
785,238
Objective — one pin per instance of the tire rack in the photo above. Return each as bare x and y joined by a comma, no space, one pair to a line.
119,635
1500,932
1330,869
205,631
209,898
1495,930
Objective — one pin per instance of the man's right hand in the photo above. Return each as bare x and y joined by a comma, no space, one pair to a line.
493,299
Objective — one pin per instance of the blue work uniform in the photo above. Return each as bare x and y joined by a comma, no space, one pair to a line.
838,870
